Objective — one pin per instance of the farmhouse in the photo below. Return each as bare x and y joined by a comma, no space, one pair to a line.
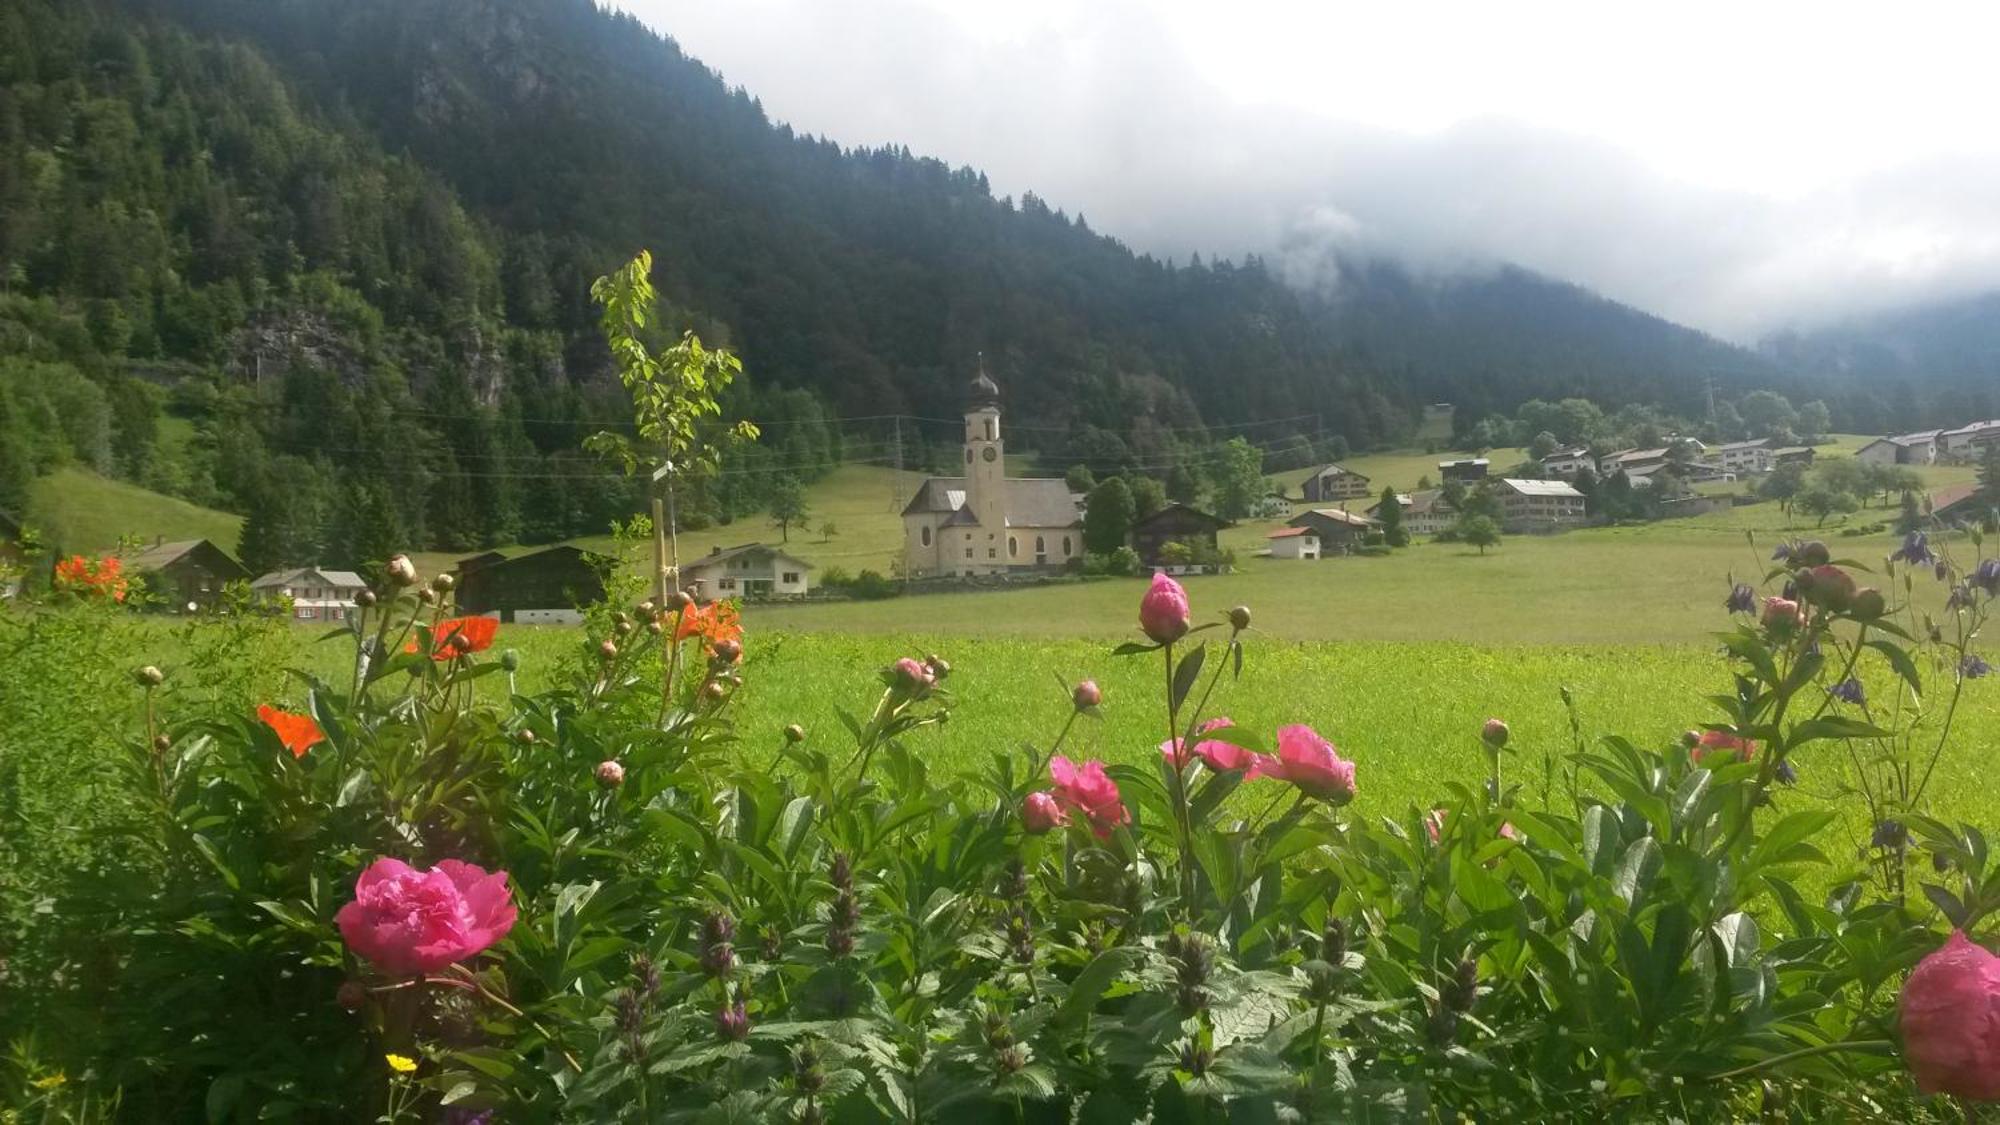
1539,505
752,570
986,522
1962,506
549,586
1335,528
1792,455
191,572
317,595
1569,462
1294,543
1334,483
1425,512
1920,448
1966,443
1175,523
1752,456
1632,462
1465,469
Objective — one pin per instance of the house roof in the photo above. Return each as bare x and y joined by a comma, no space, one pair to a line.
1568,453
1753,443
1791,450
1879,441
1464,461
166,554
1542,487
1402,504
1953,496
1176,508
592,557
1031,501
1288,532
724,554
1334,514
1972,428
1624,455
1916,438
1331,467
342,578
474,562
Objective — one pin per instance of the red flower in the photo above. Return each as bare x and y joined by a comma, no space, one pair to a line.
1715,747
1951,1021
461,635
86,579
299,733
408,921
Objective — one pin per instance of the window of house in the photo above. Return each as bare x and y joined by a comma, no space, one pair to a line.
1065,544
726,583
1041,546
1013,547
304,614
968,552
927,536
791,577
992,552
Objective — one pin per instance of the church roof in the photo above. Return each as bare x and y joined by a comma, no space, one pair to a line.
983,391
1031,501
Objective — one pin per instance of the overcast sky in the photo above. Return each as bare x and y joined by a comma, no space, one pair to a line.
1737,166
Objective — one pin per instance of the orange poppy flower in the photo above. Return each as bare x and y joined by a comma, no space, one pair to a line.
460,635
299,733
714,623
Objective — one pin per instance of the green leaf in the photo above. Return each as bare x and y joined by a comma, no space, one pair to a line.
1133,648
1899,659
1636,869
1793,829
1186,673
1688,795
1947,904
1835,727
1090,984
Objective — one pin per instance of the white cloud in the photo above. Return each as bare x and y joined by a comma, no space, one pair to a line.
1737,167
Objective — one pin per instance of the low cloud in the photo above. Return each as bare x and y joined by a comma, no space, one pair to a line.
1102,113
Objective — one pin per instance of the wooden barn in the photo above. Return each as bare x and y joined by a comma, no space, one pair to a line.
550,586
191,572
1175,523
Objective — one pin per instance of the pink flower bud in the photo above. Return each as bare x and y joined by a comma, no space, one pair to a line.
1087,695
912,675
1041,813
1951,1021
610,774
1782,615
1494,733
1163,612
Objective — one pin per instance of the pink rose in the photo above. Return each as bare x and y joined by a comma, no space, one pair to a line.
1782,615
1041,813
1218,754
1309,762
1951,1021
408,921
1716,747
1163,612
1087,790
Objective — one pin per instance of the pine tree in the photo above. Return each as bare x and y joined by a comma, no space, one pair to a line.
1108,521
1390,512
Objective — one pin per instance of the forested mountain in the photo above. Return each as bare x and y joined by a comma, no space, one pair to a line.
349,243
1929,365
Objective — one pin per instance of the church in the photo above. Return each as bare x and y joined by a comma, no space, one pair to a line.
986,522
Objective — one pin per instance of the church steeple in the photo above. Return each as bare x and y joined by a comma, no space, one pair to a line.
985,456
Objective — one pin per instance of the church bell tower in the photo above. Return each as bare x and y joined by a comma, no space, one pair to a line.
985,462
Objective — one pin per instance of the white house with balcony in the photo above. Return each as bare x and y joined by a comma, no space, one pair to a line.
316,594
751,570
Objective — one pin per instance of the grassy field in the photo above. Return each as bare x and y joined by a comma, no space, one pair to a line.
77,510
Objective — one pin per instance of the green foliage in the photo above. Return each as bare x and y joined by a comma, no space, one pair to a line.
788,505
1821,502
1148,496
1480,531
1236,478
1390,513
1107,522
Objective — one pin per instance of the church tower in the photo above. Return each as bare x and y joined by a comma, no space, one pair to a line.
985,458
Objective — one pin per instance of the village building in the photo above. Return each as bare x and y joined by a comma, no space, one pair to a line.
1539,505
1792,455
1632,462
1176,523
1464,469
1294,543
1967,443
1753,456
1920,448
1961,505
1425,512
1332,484
1569,462
190,573
986,522
316,595
546,587
752,570
1337,529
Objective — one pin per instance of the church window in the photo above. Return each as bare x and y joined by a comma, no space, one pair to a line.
989,429
1041,546
1013,547
927,536
1065,546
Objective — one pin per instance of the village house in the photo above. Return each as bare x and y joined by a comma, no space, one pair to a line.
1539,505
1920,448
546,587
316,595
1753,456
1792,455
752,570
1967,443
986,522
1569,462
190,573
1633,463
1961,506
1294,543
1466,469
1332,483
1336,529
1425,512
1175,523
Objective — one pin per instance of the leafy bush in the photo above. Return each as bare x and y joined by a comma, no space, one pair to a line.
604,902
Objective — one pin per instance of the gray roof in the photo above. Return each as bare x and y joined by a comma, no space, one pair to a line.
1330,467
727,553
1542,487
1917,438
342,578
1753,443
1334,514
155,557
1031,502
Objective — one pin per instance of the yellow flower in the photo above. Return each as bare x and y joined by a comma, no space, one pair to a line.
50,1081
401,1064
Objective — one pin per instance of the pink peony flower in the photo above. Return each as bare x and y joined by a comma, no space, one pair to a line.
1163,612
1309,762
1086,695
1782,615
913,676
1041,813
1217,754
1087,790
1715,747
1434,824
1951,1021
610,773
408,921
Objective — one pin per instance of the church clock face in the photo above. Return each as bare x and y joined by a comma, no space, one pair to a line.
989,453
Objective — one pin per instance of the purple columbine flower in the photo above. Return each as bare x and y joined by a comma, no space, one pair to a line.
1916,550
1973,668
1785,774
1849,691
1959,598
1890,834
1742,599
1942,570
1987,576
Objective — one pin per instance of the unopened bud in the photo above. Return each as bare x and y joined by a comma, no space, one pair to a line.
646,608
426,596
510,660
622,628
525,737
402,571
655,628
608,650
1239,618
715,689
162,743
365,599
149,676
679,601
610,774
728,651
441,583
795,733
1087,695
351,995
1494,733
